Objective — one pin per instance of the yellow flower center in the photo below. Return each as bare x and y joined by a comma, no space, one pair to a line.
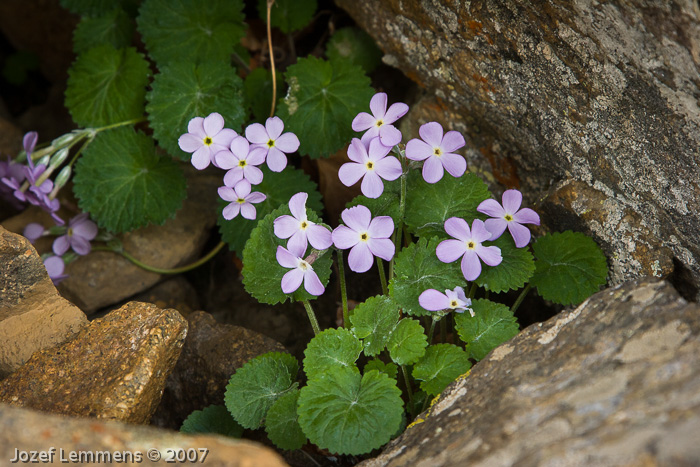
379,123
240,200
437,152
70,231
453,304
304,265
242,163
471,245
370,165
208,141
304,225
364,237
271,143
508,217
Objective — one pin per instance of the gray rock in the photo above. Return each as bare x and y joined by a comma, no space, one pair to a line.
614,382
603,93
115,368
28,430
32,314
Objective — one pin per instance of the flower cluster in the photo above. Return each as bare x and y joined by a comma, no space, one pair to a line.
210,143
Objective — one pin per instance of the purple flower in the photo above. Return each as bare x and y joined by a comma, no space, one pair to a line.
29,142
456,300
301,272
509,215
206,137
276,144
241,200
366,236
241,161
437,151
11,178
380,122
468,246
298,228
54,267
78,235
372,164
33,231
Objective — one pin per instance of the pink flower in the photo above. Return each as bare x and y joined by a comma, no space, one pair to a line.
301,272
371,163
366,236
54,267
456,300
80,231
33,231
468,246
298,228
509,215
241,200
276,144
437,151
241,161
206,137
380,122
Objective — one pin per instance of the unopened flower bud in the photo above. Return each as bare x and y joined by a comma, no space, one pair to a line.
64,140
58,158
62,177
44,160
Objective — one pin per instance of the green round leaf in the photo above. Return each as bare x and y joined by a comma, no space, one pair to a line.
257,89
492,325
416,269
350,414
279,187
386,205
441,364
355,46
182,91
373,321
281,423
213,419
114,28
322,100
514,271
332,347
429,205
262,274
288,15
389,369
570,267
124,184
407,342
255,386
107,85
191,31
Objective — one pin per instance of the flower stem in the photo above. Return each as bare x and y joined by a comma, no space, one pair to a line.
520,298
382,276
472,290
179,270
118,124
312,317
402,210
407,381
343,289
432,330
272,56
443,330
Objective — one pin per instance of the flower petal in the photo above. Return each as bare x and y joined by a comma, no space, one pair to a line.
389,135
433,170
396,111
471,266
378,105
382,247
227,194
297,205
452,141
256,197
363,121
292,280
213,124
242,188
432,300
496,227
233,176
274,127
298,241
80,245
389,168
312,283
285,226
86,229
458,228
196,127
240,147
225,160
492,208
201,158
450,250
526,216
231,211
418,150
248,211
276,160
33,231
372,185
377,150
490,255
256,133
256,156
479,231
512,199
253,174
224,137
454,164
319,237
357,151
381,227
431,133
288,143
61,245
520,233
285,258
344,237
189,142
351,172
360,258
357,218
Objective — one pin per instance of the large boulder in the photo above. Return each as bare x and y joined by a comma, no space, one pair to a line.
601,93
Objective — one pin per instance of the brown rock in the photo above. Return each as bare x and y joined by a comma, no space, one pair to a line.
104,278
605,93
175,292
32,314
114,369
27,430
211,354
613,382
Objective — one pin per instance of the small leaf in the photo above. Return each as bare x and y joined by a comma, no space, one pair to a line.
355,46
182,91
255,386
428,205
257,89
416,269
262,274
492,325
373,321
350,414
332,347
191,31
514,271
279,187
114,28
389,369
441,364
288,15
107,85
407,343
281,423
124,184
570,267
213,419
386,205
321,102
